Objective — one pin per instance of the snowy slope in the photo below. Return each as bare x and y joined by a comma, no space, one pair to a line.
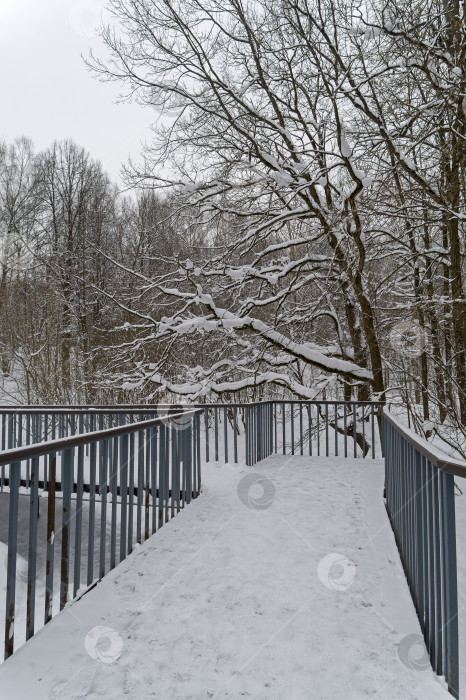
285,589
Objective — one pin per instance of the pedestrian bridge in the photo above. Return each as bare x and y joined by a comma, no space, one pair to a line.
282,580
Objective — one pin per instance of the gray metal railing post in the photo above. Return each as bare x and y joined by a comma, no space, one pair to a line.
450,584
283,428
103,462
131,491
235,435
206,423
14,481
198,448
66,479
154,454
125,495
78,520
139,501
92,488
246,435
49,571
225,433
188,462
32,548
216,432
326,430
113,492
4,423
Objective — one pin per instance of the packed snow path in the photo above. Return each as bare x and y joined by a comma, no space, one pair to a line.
288,588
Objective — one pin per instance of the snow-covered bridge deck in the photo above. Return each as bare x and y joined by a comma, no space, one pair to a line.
288,589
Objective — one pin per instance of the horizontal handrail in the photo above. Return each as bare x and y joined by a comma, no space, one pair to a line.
435,455
148,408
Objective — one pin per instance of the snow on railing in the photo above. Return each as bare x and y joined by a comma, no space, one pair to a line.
420,502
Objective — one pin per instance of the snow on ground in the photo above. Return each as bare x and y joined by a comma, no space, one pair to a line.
289,588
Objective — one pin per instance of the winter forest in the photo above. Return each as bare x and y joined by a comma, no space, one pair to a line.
293,227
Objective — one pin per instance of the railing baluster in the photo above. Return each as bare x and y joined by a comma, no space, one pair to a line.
66,483
49,567
326,431
363,422
198,444
153,481
103,470
225,433
301,448
125,495
28,441
345,429
131,491
78,520
147,482
14,481
450,588
141,444
235,436
318,428
283,429
335,409
113,463
187,465
92,488
309,421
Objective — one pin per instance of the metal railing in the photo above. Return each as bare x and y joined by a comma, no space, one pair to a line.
420,502
315,428
153,467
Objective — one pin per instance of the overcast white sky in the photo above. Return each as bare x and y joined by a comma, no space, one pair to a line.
47,92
